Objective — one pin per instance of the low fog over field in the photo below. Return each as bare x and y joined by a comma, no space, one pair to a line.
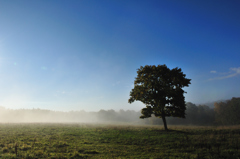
48,116
223,113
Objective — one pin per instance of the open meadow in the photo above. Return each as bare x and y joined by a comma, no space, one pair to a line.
117,141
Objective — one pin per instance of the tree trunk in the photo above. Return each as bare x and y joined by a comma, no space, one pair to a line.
164,122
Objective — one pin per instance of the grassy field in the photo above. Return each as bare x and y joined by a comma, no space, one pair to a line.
115,141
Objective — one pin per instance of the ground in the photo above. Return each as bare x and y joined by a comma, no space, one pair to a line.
117,141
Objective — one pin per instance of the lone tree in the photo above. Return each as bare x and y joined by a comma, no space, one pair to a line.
160,89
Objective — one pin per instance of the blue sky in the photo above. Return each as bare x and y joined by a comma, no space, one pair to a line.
83,54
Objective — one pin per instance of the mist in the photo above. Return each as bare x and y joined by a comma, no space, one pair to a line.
50,116
205,115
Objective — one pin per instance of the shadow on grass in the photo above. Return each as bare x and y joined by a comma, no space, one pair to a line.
171,131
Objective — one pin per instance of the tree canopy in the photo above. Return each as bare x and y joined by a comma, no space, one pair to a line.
160,89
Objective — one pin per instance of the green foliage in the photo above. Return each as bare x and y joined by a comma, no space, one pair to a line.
160,89
227,113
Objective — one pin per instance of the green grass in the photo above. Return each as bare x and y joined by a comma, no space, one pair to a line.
106,141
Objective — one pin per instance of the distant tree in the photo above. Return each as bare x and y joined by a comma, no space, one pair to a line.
160,89
205,115
191,113
234,110
227,113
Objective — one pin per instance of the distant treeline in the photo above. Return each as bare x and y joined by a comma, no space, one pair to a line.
223,113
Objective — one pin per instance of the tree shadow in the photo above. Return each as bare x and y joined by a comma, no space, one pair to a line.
171,131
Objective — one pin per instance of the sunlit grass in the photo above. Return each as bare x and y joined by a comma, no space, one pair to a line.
111,141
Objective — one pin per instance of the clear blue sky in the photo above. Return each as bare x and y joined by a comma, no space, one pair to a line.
83,54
